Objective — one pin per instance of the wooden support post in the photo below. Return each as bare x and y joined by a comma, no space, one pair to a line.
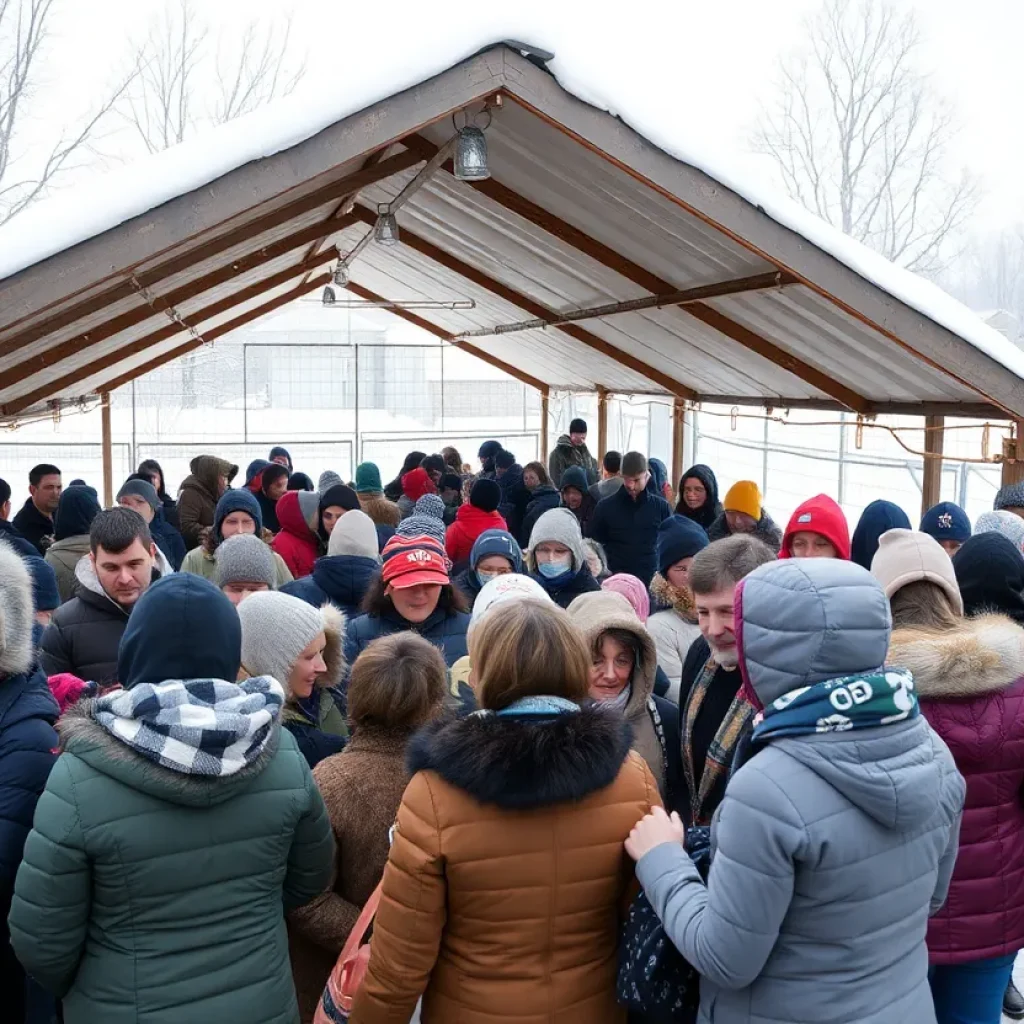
678,440
1013,456
544,412
931,484
602,424
108,451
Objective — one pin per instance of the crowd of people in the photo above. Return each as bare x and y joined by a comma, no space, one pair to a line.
507,711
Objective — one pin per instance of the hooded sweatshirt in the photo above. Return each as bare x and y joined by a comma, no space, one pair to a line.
712,508
200,491
819,515
151,828
298,512
878,518
831,848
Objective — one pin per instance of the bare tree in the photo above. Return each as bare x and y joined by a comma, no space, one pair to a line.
990,273
25,177
860,138
179,65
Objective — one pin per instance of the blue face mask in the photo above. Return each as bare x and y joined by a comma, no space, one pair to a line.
552,570
483,578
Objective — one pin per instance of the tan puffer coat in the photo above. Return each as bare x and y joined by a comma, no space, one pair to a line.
508,879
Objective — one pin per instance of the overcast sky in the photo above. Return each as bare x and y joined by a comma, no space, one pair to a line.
708,64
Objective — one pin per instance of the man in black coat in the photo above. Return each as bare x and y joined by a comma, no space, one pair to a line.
35,520
84,634
627,523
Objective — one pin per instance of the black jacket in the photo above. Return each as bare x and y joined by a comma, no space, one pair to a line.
542,499
628,530
341,579
515,499
269,510
9,534
167,539
36,528
564,595
468,583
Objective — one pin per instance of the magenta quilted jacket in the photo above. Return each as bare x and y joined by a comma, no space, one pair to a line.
971,685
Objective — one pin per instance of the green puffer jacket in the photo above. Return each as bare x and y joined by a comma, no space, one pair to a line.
148,896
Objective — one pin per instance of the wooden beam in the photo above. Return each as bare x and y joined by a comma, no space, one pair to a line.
440,332
1013,456
934,442
124,288
602,424
607,257
963,410
678,443
516,298
250,292
544,413
108,450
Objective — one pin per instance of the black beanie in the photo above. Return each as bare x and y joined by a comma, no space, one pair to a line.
342,496
504,459
485,495
578,426
434,464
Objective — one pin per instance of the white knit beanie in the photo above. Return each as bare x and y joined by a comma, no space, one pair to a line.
904,556
276,629
354,534
1010,525
560,526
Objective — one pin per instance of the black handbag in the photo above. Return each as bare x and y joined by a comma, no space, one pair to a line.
654,982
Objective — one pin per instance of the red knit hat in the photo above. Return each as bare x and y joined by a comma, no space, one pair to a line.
416,483
823,516
410,561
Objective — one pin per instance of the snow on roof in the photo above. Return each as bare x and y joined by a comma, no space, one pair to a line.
115,197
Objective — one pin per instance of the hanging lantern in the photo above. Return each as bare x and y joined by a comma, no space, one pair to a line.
328,296
341,275
471,155
386,229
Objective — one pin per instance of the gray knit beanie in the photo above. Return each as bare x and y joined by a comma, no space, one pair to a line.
354,534
560,526
142,489
245,558
427,519
328,479
276,629
1009,524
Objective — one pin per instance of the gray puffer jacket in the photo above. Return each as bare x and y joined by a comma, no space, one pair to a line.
830,850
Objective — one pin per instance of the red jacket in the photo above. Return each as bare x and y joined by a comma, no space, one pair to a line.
470,522
297,544
819,515
970,684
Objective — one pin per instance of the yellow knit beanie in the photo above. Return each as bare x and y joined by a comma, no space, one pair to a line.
744,496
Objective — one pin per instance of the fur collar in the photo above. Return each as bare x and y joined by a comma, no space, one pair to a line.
985,655
16,648
518,764
668,596
334,652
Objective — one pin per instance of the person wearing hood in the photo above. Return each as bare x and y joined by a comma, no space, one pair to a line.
487,453
34,521
817,529
673,621
236,512
623,665
658,482
576,497
495,553
596,559
393,491
301,647
83,635
742,513
334,503
543,498
77,508
1004,523
698,496
154,473
969,677
413,592
298,543
878,518
396,687
370,493
571,450
415,484
280,457
627,523
836,842
141,496
245,565
200,491
556,559
345,574
515,495
28,713
949,525
506,882
273,483
300,482
480,515
176,804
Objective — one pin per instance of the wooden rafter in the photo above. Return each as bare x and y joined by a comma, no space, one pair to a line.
651,282
516,298
440,332
247,294
124,288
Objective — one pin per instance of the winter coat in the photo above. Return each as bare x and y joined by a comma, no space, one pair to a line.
765,530
628,531
36,528
506,883
64,556
200,491
564,593
673,631
362,788
83,635
318,725
575,477
379,509
712,507
268,509
297,543
830,850
199,562
341,579
470,522
542,499
971,685
445,629
566,454
167,539
468,583
9,535
515,498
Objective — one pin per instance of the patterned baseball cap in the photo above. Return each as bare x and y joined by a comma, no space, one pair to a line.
412,561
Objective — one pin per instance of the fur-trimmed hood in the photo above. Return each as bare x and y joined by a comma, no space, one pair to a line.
16,615
519,763
334,652
667,597
985,655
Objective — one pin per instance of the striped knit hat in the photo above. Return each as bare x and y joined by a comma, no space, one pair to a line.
410,561
427,520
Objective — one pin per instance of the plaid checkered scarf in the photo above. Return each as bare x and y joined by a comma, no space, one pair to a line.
195,726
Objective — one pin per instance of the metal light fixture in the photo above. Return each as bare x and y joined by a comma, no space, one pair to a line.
471,155
328,296
341,275
386,229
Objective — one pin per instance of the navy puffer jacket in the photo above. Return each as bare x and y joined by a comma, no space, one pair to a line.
445,629
341,579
